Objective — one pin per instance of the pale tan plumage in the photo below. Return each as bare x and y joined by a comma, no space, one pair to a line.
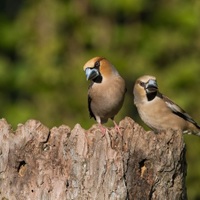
158,111
106,91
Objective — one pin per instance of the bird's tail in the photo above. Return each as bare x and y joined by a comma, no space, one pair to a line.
196,131
193,131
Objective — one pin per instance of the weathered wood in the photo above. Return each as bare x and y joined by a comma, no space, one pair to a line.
62,164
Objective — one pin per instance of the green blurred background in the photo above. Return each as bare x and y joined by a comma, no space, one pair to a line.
44,45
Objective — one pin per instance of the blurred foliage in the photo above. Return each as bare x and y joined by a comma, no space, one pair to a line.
44,45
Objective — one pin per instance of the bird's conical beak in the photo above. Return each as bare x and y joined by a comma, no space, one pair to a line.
151,86
91,73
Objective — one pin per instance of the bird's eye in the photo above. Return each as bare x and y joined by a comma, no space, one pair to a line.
142,83
97,64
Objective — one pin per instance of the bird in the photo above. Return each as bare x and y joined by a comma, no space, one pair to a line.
159,112
106,91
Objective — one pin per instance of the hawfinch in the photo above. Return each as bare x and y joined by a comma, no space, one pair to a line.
106,91
158,111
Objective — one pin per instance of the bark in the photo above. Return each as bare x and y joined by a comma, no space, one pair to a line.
37,163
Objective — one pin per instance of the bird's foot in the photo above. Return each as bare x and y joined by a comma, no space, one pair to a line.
117,128
103,129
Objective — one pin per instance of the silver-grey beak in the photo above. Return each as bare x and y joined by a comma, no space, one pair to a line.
91,73
151,86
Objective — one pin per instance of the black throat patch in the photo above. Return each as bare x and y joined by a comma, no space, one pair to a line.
98,79
151,96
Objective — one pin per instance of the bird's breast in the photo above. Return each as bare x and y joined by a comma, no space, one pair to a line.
107,98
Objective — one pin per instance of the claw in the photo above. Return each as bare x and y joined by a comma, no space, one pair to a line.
117,128
103,129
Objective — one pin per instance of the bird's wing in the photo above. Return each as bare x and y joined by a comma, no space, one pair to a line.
178,110
89,103
89,108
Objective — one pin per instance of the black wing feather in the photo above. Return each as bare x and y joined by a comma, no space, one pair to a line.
179,111
89,108
91,114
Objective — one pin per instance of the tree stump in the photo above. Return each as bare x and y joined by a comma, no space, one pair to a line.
61,164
